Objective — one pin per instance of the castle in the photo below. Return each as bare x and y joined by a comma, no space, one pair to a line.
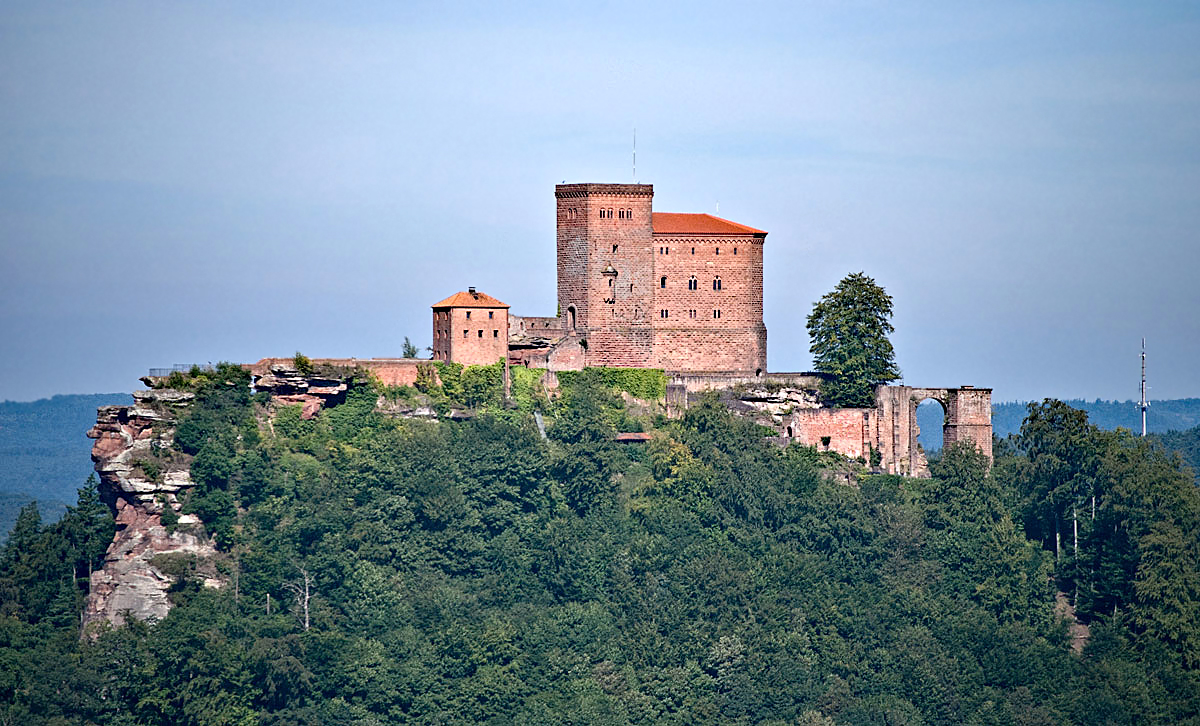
682,293
636,288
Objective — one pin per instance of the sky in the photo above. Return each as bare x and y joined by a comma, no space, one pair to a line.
196,182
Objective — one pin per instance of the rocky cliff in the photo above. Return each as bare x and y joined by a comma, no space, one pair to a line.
141,478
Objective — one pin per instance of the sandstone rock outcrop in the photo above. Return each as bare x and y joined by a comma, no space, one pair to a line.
289,386
140,477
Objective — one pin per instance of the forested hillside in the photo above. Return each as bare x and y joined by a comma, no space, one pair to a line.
44,454
389,570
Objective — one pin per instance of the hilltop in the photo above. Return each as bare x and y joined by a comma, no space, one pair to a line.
427,555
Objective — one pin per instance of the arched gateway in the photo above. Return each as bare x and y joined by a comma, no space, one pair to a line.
968,418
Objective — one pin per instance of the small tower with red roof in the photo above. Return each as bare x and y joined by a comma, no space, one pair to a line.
470,328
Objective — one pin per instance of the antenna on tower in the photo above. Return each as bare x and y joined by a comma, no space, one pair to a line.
635,154
1145,404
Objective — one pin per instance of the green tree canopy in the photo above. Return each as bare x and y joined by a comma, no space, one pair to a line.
849,332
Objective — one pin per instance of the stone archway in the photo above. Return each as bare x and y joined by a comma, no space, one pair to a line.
968,417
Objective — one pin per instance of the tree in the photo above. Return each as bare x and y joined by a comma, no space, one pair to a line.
849,328
410,350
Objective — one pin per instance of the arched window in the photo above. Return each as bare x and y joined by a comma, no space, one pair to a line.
716,313
693,283
735,250
621,214
716,283
570,317
662,281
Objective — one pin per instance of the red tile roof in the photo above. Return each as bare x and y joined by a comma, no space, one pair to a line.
634,437
671,223
470,300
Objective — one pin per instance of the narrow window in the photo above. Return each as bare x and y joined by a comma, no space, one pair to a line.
614,248
662,313
464,333
490,314
716,313
693,283
693,250
468,315
480,333
495,333
621,214
716,283
666,250
662,281
735,250
601,214
717,251
691,313
610,280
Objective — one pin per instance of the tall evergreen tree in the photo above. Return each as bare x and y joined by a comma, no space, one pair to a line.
849,330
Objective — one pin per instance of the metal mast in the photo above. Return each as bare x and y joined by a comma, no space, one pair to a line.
1145,405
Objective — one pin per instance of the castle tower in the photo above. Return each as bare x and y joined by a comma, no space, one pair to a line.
605,271
470,328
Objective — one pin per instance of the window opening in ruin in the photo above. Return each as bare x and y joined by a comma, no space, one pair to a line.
614,248
693,283
717,251
495,333
735,250
662,281
716,283
480,333
693,250
931,424
571,317
465,333
757,373
789,432
825,441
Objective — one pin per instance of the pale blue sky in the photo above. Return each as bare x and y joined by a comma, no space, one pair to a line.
210,181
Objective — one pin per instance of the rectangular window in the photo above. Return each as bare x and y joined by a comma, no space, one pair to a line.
662,313
495,333
468,315
490,313
464,333
716,313
481,334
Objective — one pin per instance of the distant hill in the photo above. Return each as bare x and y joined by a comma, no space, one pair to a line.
1173,415
1186,444
44,452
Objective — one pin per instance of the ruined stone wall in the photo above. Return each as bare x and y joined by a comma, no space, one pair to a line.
852,432
531,326
389,371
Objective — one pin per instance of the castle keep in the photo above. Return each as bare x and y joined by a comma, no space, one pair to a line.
681,292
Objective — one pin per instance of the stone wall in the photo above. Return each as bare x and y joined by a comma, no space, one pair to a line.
389,371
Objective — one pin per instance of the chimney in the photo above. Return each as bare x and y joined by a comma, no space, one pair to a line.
472,291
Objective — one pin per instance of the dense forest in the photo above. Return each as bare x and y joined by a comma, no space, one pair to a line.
390,570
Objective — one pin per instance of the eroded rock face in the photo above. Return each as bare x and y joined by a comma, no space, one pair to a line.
289,386
141,476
